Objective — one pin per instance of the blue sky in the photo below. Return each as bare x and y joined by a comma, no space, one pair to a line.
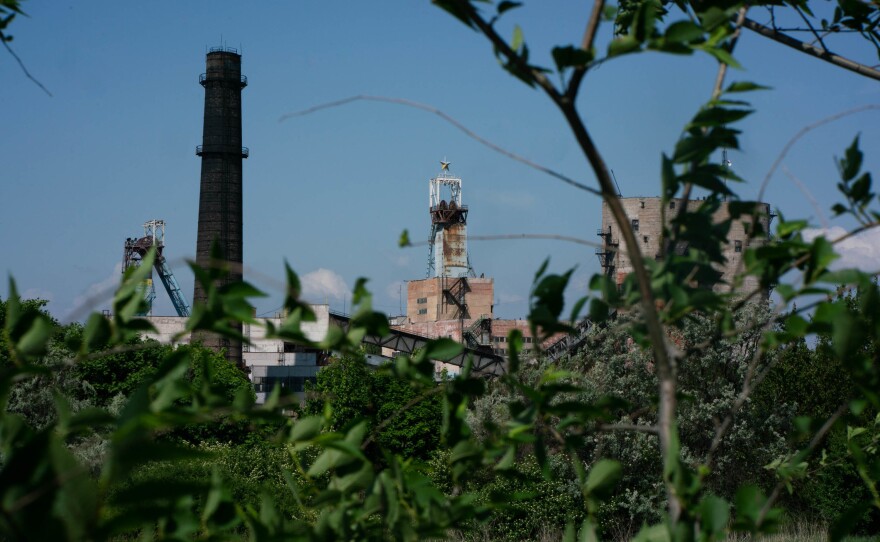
331,192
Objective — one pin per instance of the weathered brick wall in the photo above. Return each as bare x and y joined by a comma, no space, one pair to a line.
427,295
650,213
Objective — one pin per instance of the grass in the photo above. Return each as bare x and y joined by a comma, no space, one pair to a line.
800,532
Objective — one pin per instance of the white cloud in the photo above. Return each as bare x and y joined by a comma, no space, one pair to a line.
322,285
861,251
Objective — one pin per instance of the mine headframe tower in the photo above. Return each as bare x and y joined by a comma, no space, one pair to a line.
135,250
447,253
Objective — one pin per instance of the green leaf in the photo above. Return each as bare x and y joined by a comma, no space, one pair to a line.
716,116
569,56
241,289
34,341
683,32
722,55
714,515
306,429
744,86
507,5
821,255
404,241
517,42
622,46
851,163
97,333
455,8
713,18
442,349
603,477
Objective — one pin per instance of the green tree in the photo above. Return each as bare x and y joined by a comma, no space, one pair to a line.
554,415
402,418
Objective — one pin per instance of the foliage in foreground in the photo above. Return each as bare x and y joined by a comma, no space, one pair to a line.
559,421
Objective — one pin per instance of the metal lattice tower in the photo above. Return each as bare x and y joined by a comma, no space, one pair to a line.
447,253
220,197
133,255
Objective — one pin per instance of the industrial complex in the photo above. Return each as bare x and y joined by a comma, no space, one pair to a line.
451,301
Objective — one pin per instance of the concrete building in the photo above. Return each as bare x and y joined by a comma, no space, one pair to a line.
268,361
647,215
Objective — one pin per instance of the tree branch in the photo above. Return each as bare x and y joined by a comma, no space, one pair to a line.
470,133
812,50
23,68
513,236
810,26
665,363
587,45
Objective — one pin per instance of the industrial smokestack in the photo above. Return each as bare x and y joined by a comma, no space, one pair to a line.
220,198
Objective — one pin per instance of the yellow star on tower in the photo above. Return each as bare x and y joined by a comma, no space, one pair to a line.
444,166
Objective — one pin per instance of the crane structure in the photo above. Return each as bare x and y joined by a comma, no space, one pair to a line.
135,250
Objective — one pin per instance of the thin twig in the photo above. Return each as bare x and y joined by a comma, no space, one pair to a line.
722,68
810,26
515,236
716,93
470,133
812,50
807,194
24,69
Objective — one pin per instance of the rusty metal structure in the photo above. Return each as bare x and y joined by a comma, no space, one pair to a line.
448,255
220,197
132,256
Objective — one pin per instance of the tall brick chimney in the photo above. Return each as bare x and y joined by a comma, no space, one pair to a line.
220,197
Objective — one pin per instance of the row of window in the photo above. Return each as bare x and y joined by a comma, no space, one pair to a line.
423,311
422,300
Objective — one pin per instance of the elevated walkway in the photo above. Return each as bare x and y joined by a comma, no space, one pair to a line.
484,362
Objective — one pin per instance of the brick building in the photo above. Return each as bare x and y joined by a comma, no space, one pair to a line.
647,216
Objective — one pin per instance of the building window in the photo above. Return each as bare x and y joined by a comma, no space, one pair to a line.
423,311
737,246
672,204
422,300
635,224
645,238
643,204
